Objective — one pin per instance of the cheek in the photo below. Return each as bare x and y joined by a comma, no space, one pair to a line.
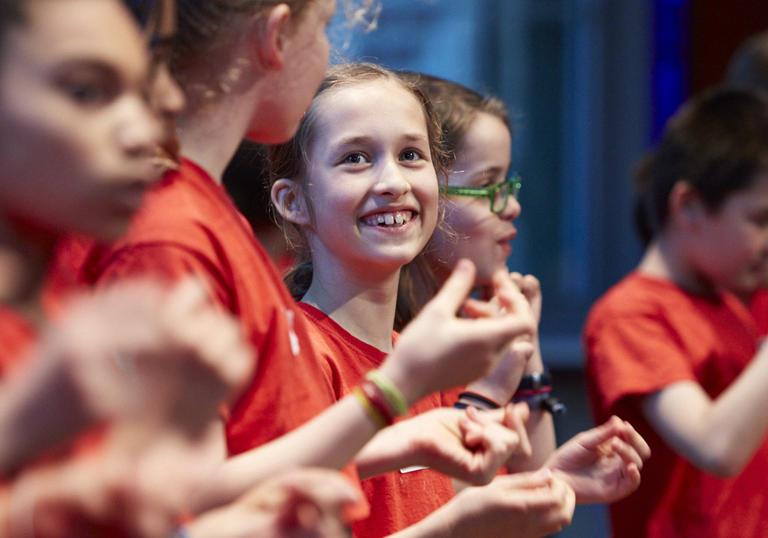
38,148
468,221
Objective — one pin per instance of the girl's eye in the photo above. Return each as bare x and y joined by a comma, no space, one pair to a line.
88,92
410,155
355,158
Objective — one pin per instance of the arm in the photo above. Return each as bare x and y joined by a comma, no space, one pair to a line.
540,426
719,436
524,357
334,437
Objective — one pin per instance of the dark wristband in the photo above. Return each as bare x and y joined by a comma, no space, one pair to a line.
479,398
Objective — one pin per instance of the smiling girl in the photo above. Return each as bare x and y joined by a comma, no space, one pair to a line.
358,185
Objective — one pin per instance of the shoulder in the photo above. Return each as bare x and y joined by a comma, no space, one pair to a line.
637,296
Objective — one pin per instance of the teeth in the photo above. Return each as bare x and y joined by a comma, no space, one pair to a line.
389,219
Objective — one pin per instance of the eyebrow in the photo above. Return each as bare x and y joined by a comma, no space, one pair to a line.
95,66
490,171
365,139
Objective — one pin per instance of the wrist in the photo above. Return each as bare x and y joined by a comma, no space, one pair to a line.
491,391
406,382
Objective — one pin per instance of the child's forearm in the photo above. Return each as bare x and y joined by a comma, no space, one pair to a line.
387,451
331,440
720,435
540,426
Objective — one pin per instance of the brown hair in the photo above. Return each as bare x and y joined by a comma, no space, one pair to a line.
717,142
289,160
11,13
203,24
457,107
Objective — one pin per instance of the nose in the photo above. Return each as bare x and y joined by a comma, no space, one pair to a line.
391,180
166,97
138,131
513,209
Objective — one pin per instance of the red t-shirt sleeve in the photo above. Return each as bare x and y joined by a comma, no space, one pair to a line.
633,355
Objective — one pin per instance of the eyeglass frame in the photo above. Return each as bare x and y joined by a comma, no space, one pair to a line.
514,180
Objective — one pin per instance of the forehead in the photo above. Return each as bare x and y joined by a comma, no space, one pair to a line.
99,30
487,138
377,106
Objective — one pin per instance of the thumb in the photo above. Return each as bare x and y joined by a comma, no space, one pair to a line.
455,290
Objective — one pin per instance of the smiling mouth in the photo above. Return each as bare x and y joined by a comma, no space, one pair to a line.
391,219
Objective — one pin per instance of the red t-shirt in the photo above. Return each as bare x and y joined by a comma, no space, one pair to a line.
189,226
642,336
758,306
397,499
16,338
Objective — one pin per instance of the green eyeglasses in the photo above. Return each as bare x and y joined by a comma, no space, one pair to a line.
497,194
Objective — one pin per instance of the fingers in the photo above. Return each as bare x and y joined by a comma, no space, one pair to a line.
594,437
531,289
496,332
475,308
515,417
552,503
325,488
456,289
635,440
303,498
621,430
626,452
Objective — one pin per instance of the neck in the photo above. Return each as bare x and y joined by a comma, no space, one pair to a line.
210,131
666,259
363,305
25,253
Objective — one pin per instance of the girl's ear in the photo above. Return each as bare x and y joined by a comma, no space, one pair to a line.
686,206
268,37
288,199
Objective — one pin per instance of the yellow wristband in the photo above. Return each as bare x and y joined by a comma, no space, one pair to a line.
394,397
369,409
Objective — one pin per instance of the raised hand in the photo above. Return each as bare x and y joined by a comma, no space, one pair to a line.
602,464
500,384
440,350
137,350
